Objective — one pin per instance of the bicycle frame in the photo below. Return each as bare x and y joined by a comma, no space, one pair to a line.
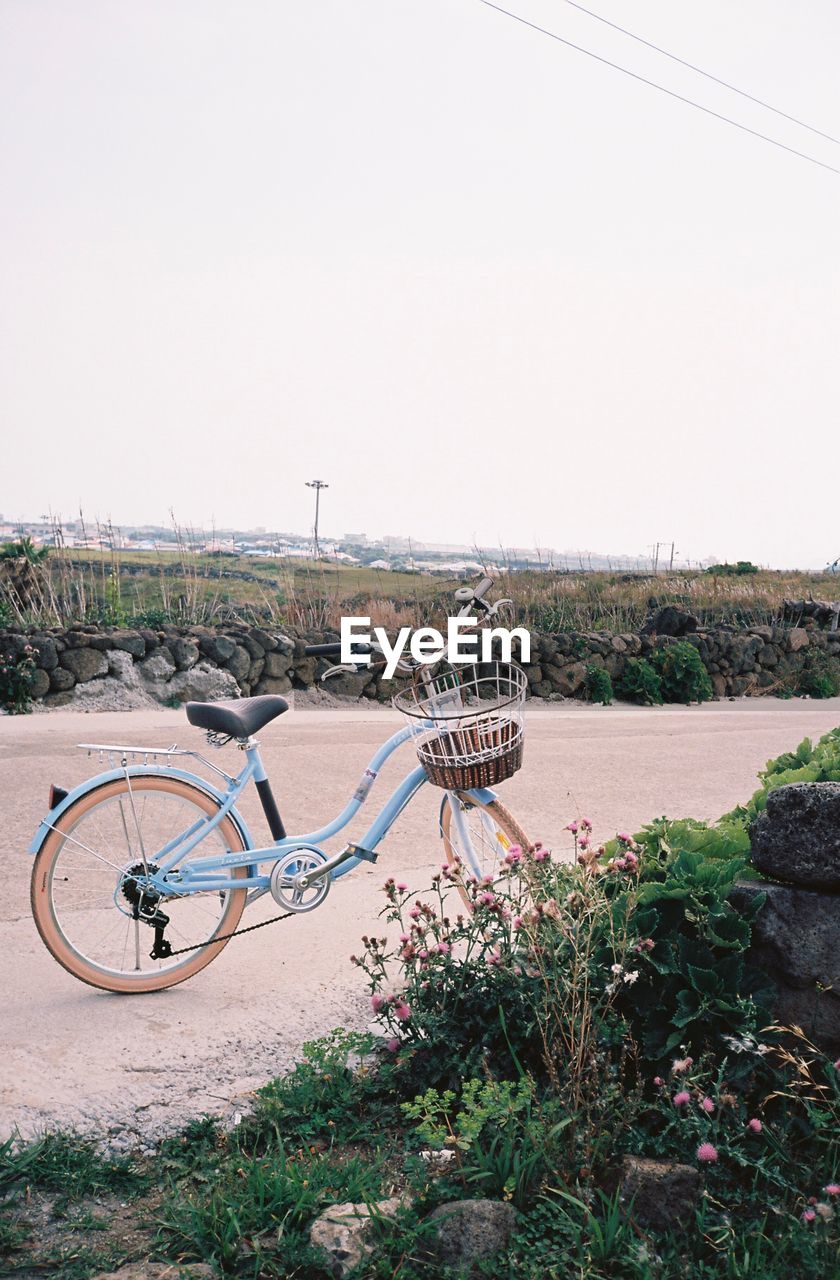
197,876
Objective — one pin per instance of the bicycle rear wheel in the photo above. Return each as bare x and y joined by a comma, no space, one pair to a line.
83,895
478,836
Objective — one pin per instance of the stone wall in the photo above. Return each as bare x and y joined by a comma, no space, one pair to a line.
90,665
795,843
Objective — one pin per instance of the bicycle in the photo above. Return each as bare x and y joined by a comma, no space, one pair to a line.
151,849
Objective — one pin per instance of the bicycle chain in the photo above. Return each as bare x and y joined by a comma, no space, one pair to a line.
225,937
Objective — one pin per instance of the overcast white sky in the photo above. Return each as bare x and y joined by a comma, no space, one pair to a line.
482,285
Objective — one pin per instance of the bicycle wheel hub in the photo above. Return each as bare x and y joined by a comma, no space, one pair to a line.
290,883
145,900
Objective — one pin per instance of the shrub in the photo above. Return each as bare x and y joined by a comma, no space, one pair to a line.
682,674
16,681
639,682
819,678
599,685
737,570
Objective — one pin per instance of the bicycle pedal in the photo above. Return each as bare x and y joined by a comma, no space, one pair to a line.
357,851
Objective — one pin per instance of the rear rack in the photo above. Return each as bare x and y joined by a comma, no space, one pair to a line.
118,755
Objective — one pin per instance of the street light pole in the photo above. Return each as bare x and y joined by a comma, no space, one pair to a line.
317,485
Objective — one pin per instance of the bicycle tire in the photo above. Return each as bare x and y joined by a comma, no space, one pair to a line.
43,886
506,832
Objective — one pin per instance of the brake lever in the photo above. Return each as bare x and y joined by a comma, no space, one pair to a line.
337,670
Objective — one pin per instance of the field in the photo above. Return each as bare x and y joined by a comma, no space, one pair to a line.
187,586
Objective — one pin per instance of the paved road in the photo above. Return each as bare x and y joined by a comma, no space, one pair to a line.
139,1064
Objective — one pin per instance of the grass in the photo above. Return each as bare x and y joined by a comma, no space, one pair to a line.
244,1200
185,585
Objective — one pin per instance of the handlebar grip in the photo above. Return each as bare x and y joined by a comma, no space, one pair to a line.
482,588
333,650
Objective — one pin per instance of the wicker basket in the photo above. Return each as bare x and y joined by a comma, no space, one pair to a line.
468,724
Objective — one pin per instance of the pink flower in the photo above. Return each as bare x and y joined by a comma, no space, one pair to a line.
377,1002
486,899
392,1045
808,1215
415,913
681,1064
707,1153
833,1189
540,855
625,836
402,888
518,922
754,1125
586,823
658,1081
682,1098
494,958
631,862
402,1011
572,826
708,1106
513,855
837,1065
583,842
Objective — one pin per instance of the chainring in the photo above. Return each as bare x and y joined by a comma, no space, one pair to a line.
284,884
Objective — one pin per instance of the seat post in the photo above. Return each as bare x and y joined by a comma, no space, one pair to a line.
266,795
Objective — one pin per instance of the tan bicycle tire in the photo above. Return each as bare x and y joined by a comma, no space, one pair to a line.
47,925
500,815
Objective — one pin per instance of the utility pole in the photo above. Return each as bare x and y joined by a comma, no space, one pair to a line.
317,485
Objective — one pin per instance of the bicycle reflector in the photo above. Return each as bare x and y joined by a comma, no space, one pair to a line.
57,794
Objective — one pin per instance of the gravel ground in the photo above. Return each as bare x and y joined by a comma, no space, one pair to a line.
133,1068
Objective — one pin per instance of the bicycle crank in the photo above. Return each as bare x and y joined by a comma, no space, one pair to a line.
290,885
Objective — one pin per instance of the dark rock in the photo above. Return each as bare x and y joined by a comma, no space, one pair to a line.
469,1231
84,664
274,684
255,651
568,680
217,648
794,942
184,653
129,642
266,642
277,664
797,639
670,621
797,838
149,638
39,683
239,663
77,639
659,1193
45,651
61,680
303,672
767,656
63,698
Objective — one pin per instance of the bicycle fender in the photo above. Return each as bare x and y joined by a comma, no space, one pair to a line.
134,771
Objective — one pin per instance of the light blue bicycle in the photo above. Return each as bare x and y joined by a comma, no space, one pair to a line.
143,872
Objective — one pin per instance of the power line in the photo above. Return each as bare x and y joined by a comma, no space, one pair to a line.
691,66
654,85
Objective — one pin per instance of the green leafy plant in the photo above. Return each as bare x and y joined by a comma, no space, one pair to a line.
819,677
639,682
682,674
16,674
599,686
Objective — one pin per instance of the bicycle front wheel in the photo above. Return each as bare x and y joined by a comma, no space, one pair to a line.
478,836
84,898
